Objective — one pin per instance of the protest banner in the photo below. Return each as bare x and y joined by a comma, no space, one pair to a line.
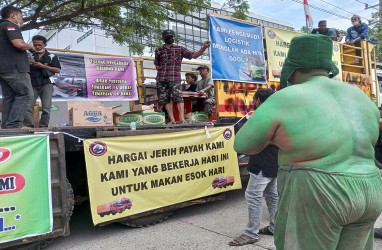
133,174
337,60
85,76
110,77
24,181
237,51
362,81
278,42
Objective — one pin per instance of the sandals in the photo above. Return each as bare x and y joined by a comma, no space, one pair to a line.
265,231
242,240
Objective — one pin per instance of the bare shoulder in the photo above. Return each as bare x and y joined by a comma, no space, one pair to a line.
288,94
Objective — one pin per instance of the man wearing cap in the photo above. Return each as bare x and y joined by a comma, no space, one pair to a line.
206,86
330,191
168,62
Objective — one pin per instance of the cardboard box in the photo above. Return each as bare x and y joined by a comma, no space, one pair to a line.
140,107
196,117
140,118
72,104
154,118
124,119
91,116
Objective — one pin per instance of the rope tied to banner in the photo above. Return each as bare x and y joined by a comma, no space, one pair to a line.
246,116
208,135
56,133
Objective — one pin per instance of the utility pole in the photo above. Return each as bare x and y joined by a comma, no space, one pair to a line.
373,6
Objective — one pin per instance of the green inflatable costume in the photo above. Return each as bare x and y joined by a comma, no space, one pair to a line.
330,189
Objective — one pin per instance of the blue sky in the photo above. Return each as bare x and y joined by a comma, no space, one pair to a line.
293,12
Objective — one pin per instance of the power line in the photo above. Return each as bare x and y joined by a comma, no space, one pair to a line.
337,7
326,11
323,10
341,9
366,4
361,2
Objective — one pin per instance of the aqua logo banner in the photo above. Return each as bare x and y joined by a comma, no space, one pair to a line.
237,51
25,196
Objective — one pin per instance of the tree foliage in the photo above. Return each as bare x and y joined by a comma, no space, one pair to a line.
124,20
305,30
240,7
375,31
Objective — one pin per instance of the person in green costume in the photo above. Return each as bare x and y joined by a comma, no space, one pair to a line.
330,191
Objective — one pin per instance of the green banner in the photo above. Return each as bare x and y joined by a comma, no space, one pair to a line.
25,196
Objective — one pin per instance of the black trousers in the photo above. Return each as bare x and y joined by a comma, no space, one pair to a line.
17,94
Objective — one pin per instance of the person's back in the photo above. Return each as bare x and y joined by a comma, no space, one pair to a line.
329,187
335,118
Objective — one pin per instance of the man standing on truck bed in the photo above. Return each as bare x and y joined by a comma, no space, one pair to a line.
14,69
168,62
330,191
43,66
262,168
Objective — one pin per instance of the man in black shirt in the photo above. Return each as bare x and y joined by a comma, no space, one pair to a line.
14,69
43,66
262,169
323,30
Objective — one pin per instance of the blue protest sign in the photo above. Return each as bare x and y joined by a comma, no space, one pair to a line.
237,51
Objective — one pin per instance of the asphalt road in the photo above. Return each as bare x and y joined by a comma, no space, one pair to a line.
206,226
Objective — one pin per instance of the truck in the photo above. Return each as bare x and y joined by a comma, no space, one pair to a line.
69,181
223,182
117,206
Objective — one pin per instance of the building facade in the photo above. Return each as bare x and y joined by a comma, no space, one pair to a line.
191,32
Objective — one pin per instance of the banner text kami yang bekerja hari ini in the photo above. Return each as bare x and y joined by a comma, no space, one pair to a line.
133,174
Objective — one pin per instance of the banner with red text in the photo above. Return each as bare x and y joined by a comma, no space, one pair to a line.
25,194
133,174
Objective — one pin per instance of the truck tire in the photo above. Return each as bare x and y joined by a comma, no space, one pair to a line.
43,243
147,220
70,198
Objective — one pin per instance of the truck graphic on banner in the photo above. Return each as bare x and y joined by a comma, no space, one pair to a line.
114,207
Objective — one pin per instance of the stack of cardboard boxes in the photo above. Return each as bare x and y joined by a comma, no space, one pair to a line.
141,115
92,113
